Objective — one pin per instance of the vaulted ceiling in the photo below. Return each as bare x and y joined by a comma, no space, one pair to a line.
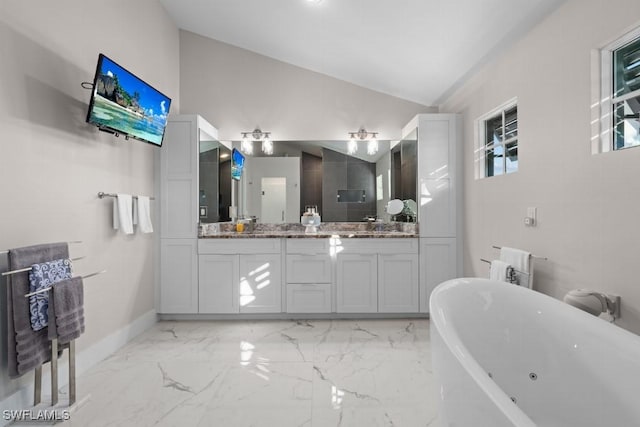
418,50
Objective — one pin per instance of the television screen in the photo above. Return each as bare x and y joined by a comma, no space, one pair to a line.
121,103
237,164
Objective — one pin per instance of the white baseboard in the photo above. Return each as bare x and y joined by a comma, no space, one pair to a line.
89,357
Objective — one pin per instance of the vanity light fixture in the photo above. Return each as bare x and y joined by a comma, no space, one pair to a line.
362,135
246,146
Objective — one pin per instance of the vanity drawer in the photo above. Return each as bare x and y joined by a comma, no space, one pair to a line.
378,246
308,246
308,298
239,246
309,268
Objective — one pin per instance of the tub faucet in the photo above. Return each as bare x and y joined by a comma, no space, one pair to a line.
594,302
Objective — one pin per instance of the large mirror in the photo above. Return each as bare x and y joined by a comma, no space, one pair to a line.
404,174
277,188
214,181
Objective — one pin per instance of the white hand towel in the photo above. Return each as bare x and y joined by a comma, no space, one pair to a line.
517,258
123,213
498,270
143,214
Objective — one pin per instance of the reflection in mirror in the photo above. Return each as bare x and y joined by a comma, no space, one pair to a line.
316,173
214,182
404,177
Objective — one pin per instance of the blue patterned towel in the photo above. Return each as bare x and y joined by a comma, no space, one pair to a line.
43,276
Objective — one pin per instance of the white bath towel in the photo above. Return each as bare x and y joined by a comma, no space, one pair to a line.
123,213
142,214
498,270
518,259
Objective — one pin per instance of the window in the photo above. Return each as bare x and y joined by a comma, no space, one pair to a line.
619,101
625,99
497,141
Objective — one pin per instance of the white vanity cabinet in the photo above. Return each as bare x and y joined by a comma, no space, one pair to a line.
379,276
240,276
309,276
439,199
178,228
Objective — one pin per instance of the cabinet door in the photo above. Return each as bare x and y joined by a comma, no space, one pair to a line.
357,283
398,283
260,283
178,276
437,175
219,284
438,263
309,268
179,179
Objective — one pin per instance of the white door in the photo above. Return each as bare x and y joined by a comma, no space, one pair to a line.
274,200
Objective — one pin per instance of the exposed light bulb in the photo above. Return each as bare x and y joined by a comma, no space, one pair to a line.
267,145
372,145
246,146
352,146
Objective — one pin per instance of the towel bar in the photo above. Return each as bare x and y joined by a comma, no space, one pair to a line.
7,273
102,195
7,251
533,256
49,288
517,271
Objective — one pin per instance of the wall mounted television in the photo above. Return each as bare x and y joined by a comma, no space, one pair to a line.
123,104
237,164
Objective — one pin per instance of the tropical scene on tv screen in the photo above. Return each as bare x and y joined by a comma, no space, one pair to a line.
127,104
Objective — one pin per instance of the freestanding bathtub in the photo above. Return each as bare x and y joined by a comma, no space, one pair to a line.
504,355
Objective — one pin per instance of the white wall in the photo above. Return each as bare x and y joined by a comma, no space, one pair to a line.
52,164
237,90
257,168
588,205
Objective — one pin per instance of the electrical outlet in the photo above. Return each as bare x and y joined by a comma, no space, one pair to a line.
531,218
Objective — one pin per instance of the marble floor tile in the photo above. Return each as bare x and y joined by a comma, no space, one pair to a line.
265,373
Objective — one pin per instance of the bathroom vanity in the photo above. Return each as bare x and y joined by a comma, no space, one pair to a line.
346,269
301,274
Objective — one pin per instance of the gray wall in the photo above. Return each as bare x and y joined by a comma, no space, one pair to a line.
238,90
588,205
311,182
52,164
342,172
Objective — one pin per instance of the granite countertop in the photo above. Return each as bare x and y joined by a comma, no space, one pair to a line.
226,230
302,235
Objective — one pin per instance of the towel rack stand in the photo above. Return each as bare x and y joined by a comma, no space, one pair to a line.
37,381
102,195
